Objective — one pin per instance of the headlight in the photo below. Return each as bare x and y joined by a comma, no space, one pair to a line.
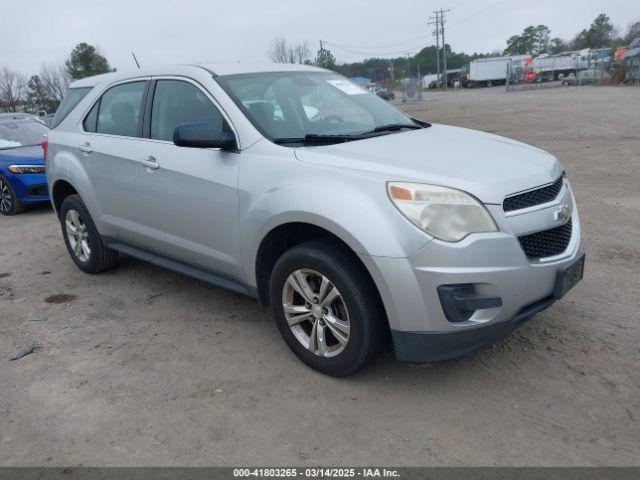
445,213
22,169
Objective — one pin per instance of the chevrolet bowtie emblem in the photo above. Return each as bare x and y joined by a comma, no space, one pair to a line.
563,214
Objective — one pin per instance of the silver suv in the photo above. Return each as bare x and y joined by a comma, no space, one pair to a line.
354,222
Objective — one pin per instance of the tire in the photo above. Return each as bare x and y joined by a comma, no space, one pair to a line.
355,313
9,203
93,256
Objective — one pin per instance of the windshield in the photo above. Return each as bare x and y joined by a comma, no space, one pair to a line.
295,105
21,132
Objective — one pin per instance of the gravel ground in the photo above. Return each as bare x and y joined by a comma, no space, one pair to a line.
142,366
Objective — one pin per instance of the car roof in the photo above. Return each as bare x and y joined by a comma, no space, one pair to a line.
219,69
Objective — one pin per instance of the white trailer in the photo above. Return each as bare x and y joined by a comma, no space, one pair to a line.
486,72
566,64
557,67
429,80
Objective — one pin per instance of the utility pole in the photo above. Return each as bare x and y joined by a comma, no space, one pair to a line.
440,14
436,22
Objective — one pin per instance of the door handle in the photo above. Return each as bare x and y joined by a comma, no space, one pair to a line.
85,148
150,162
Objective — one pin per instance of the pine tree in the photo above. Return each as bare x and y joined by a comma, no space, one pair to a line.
86,61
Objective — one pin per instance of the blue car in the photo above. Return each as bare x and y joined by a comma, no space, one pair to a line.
23,180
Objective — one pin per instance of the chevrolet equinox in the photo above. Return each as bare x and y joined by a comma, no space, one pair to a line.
354,222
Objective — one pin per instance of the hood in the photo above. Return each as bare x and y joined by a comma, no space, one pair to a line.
32,155
487,166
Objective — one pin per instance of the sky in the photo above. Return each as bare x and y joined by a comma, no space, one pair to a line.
200,31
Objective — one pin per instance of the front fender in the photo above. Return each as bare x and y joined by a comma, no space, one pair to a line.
353,207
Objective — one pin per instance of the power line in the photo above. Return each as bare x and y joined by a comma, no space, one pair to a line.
374,47
453,2
469,17
374,54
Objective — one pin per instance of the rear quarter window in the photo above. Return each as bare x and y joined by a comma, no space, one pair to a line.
72,97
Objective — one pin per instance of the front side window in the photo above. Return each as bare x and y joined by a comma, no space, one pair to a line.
91,120
119,110
176,102
295,105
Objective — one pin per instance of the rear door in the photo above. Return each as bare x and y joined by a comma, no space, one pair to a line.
188,196
110,151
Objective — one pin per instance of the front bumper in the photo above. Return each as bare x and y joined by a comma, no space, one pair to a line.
494,263
431,347
29,188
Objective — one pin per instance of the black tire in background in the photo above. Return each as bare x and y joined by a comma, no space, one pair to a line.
101,258
9,203
368,327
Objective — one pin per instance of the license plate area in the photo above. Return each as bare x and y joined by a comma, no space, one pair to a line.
569,276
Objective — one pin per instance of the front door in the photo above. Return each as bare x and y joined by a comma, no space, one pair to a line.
188,197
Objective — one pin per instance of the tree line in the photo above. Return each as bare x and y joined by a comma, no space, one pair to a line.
534,40
600,34
282,51
43,92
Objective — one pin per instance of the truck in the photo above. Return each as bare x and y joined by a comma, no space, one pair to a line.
548,68
490,71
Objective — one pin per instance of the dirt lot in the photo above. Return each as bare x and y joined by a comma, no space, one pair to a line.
141,366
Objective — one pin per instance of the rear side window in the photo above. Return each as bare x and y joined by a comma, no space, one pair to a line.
118,112
71,98
175,103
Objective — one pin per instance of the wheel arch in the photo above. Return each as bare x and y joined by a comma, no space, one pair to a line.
60,191
286,236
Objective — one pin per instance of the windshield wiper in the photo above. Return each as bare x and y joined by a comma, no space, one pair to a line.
339,138
316,138
394,127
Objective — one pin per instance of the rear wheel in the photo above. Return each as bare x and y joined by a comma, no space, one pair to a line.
9,203
326,309
82,238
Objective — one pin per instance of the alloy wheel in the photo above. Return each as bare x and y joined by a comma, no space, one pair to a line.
78,235
6,199
316,313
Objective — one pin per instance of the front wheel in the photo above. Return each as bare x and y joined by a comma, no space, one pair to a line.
325,307
9,203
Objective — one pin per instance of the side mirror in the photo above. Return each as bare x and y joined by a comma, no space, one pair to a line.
203,135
